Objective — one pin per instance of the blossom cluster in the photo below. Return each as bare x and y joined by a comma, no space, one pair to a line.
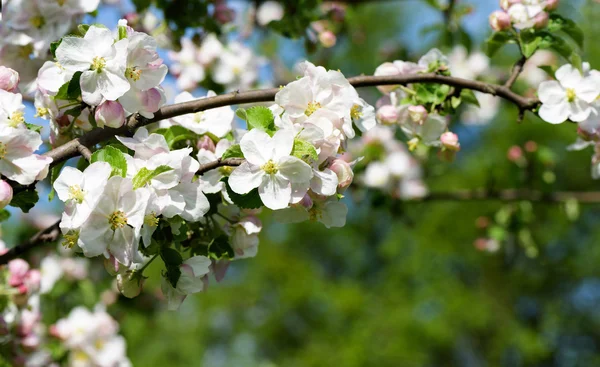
98,80
522,14
233,65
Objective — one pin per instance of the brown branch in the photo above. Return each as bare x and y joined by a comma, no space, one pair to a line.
49,234
516,71
231,162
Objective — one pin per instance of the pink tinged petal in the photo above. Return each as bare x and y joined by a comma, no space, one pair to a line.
275,192
324,182
111,114
245,178
580,111
75,53
283,142
568,76
25,170
68,177
257,147
588,90
220,269
90,92
294,169
551,92
555,113
151,77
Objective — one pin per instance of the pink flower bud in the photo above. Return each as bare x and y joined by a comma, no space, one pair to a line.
9,79
327,39
151,100
541,20
33,279
388,114
531,146
514,153
499,21
387,69
551,5
418,114
223,14
6,193
482,222
344,173
450,141
18,269
206,143
505,4
30,343
306,202
111,114
130,284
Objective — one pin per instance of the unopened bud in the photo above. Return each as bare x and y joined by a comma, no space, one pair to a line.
514,153
130,284
505,4
327,39
531,146
344,173
450,141
9,79
388,114
224,14
6,193
111,265
541,20
418,114
499,21
551,5
206,143
111,114
387,69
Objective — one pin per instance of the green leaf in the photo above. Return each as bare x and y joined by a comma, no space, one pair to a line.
4,215
234,151
305,151
75,111
122,32
455,102
259,117
54,46
54,172
144,175
71,90
496,41
241,113
172,260
549,69
250,200
220,248
175,134
569,27
558,44
25,200
469,97
82,29
33,127
431,93
112,156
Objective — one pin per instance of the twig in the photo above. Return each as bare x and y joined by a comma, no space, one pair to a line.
516,71
49,234
231,162
84,151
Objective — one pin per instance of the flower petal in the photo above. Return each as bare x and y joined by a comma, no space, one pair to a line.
245,178
275,192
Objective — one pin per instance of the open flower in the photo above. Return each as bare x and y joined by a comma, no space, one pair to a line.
269,167
568,97
217,121
17,161
81,191
11,109
192,280
144,69
102,61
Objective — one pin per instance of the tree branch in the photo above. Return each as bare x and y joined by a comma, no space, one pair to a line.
230,162
52,233
516,71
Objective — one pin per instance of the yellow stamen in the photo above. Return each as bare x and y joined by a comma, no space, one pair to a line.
25,51
70,239
314,213
133,73
98,63
41,112
571,96
151,220
76,193
117,220
2,150
16,118
37,21
61,2
270,167
312,107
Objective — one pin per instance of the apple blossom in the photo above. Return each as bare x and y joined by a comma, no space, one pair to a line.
388,114
217,121
269,167
101,61
192,280
568,97
212,179
9,79
427,131
500,21
143,102
244,237
6,193
344,173
144,144
17,161
11,110
111,114
236,67
523,16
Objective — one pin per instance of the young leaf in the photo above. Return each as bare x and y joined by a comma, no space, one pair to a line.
172,260
250,200
496,41
33,127
4,215
234,151
220,248
71,90
569,27
260,117
549,69
241,113
25,200
469,97
54,46
144,175
122,32
112,156
305,151
82,29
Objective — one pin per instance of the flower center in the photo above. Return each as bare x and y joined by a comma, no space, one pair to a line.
133,73
16,118
2,150
198,116
356,112
117,220
25,51
270,167
314,213
571,95
38,21
151,220
226,170
61,2
76,193
41,112
70,239
312,107
99,344
98,63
